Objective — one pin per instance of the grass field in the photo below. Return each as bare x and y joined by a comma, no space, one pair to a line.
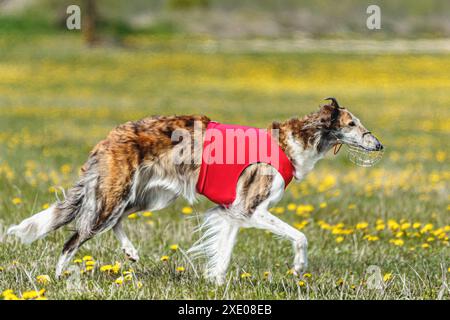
57,99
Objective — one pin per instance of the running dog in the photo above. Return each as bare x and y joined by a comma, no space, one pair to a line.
145,165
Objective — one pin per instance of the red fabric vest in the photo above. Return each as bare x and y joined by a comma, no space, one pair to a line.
228,150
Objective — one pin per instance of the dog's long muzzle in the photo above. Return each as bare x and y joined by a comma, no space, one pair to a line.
370,142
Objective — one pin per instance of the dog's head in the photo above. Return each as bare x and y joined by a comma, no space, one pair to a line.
340,124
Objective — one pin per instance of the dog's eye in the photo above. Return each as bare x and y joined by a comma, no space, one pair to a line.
351,123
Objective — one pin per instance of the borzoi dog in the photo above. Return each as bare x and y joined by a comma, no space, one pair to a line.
147,164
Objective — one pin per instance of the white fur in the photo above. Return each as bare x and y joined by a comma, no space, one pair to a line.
63,261
154,188
34,227
216,243
304,159
126,244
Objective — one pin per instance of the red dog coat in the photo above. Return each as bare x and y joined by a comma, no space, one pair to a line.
228,150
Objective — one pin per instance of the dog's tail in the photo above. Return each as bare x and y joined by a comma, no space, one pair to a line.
81,198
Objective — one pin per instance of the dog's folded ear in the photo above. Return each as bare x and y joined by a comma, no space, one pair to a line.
334,102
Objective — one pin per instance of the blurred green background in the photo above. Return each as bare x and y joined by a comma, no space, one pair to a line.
240,18
247,62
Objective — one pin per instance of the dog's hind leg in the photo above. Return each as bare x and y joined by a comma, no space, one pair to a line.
126,244
70,248
217,242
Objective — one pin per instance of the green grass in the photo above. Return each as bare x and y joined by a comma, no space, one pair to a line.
57,99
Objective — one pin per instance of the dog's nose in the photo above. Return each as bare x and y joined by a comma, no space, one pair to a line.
379,146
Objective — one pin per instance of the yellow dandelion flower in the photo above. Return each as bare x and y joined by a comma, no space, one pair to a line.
16,201
130,270
65,168
405,225
139,284
278,210
245,275
323,205
387,277
119,281
307,275
399,234
87,258
116,267
371,238
90,263
291,206
7,292
164,258
43,279
9,295
290,272
133,216
304,209
393,225
267,274
425,246
27,295
45,206
173,247
128,277
147,214
77,261
362,225
180,269
106,268
426,228
300,225
416,225
301,283
187,210
339,239
397,242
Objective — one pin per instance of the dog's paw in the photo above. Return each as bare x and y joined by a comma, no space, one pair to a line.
300,267
218,280
131,254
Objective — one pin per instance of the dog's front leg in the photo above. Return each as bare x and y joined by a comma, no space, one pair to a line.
263,219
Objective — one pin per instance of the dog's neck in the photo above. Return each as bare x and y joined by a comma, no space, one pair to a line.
304,142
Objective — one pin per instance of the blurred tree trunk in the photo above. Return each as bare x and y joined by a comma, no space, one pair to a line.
90,22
